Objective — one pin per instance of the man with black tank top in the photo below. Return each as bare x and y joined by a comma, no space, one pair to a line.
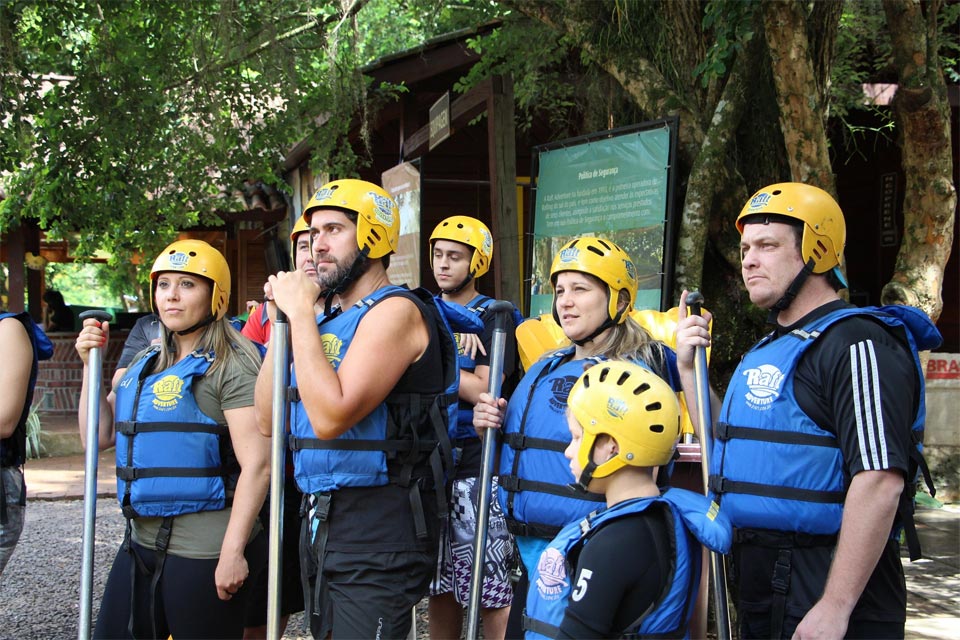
371,378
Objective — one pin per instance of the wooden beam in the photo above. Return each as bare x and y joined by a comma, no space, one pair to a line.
502,154
16,265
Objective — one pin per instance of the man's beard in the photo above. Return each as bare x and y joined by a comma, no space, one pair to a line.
330,279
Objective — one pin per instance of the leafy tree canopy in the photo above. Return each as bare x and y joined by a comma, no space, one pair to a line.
124,121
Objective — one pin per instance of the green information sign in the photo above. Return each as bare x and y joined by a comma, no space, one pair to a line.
614,185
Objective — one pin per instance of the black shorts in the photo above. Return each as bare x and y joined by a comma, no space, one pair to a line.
371,595
291,591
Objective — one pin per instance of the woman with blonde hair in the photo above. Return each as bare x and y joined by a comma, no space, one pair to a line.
192,468
595,285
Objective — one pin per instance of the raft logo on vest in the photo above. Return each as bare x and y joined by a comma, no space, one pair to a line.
552,581
560,388
332,346
166,392
764,383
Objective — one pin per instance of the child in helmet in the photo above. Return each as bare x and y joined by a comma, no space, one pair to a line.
192,469
632,567
595,286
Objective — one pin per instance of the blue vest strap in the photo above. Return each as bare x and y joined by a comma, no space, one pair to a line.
720,485
519,441
514,483
136,473
132,427
726,431
539,626
298,444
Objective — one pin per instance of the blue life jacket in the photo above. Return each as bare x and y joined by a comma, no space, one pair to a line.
401,437
477,308
13,449
692,517
535,492
773,467
171,457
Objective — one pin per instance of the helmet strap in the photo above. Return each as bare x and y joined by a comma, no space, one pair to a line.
457,288
606,324
790,293
200,325
356,270
586,477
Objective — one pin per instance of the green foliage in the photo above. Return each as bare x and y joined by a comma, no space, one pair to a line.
862,55
128,120
89,284
949,26
539,61
730,22
34,429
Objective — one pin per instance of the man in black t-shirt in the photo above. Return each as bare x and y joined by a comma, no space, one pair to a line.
816,437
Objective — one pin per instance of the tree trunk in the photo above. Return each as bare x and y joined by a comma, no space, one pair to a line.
930,197
801,113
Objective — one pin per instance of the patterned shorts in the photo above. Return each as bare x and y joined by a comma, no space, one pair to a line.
455,563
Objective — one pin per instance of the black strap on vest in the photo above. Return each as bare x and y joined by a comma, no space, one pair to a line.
916,465
519,442
312,552
725,431
131,427
721,485
780,584
162,542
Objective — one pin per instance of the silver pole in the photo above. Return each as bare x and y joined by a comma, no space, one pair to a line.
280,335
500,310
91,458
718,577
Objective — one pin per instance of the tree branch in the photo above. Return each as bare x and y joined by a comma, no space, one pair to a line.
212,68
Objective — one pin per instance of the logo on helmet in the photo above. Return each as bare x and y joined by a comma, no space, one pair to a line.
486,246
764,383
179,260
760,200
383,207
570,254
616,408
323,194
631,269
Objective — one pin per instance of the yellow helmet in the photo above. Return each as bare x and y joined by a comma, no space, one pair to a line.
824,230
631,404
378,218
199,258
299,227
603,259
471,232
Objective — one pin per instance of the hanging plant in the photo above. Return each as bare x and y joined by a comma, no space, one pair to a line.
34,429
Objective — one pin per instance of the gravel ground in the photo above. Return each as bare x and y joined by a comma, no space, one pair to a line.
40,588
